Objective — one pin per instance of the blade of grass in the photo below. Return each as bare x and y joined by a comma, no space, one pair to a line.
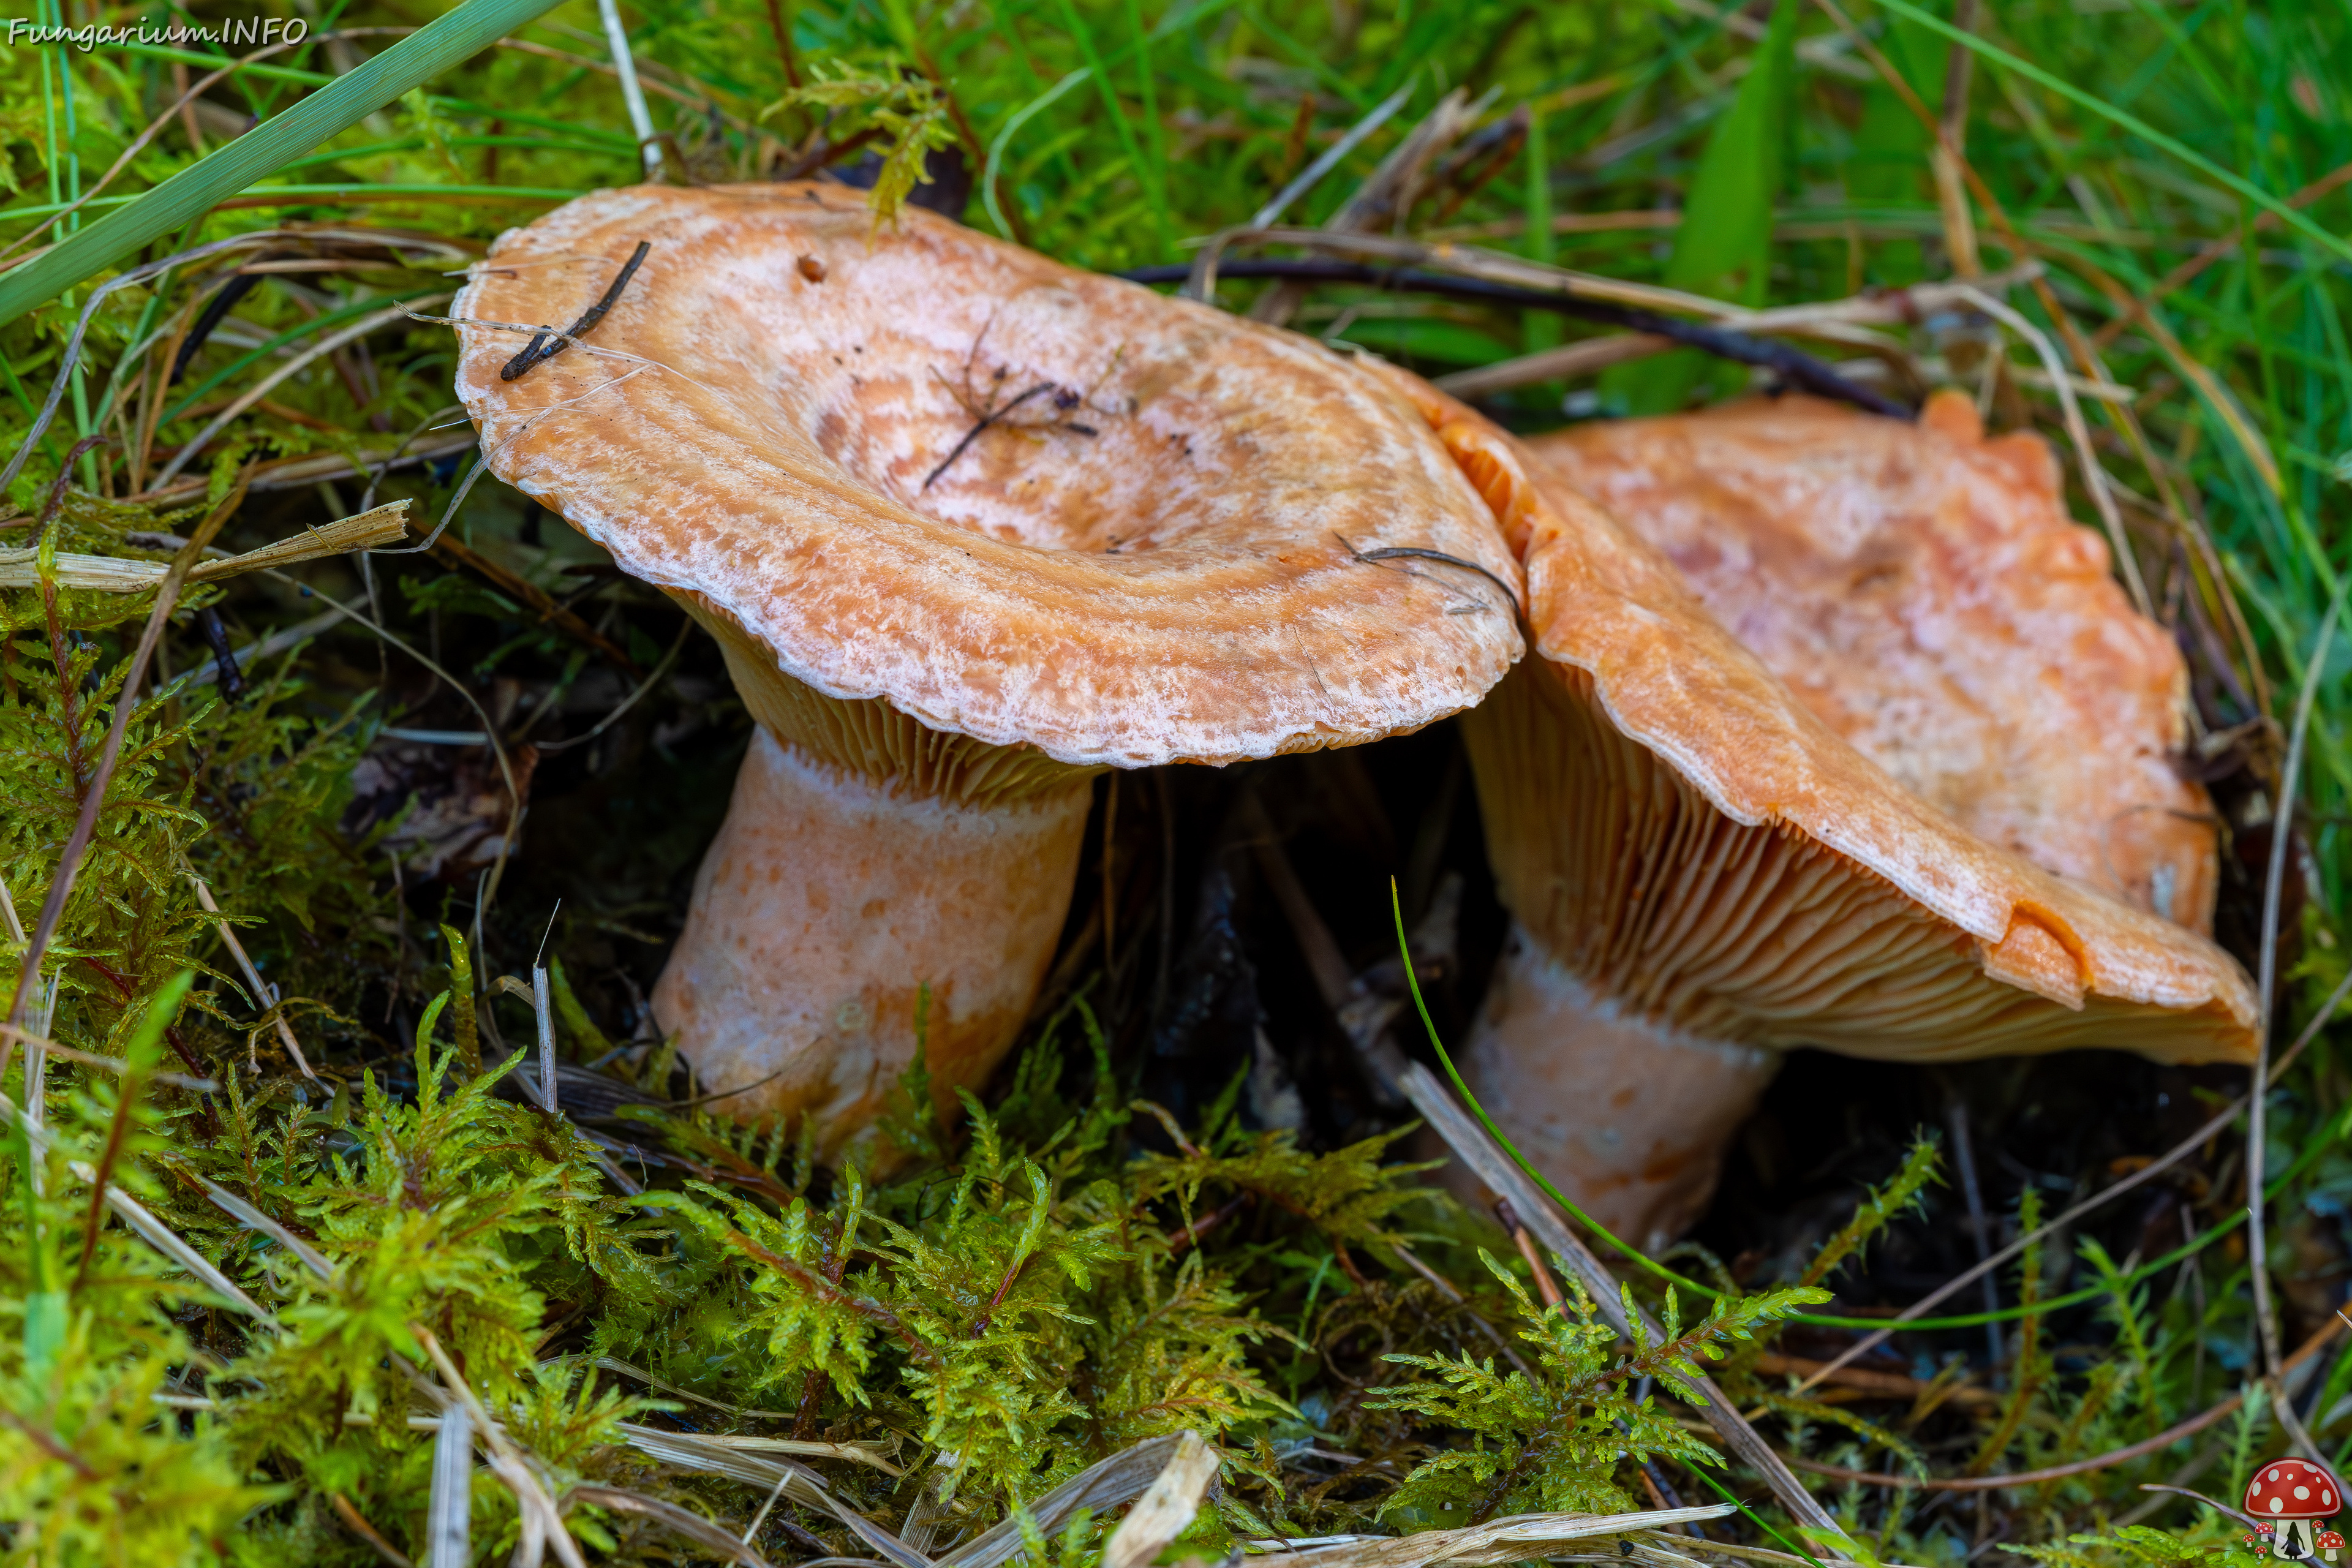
455,37
1175,21
1723,247
1155,188
2127,121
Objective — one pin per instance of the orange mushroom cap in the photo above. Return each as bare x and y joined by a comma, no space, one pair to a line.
2293,1489
1024,503
1692,841
1923,591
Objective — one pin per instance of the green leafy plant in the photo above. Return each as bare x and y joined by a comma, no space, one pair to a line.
1548,1439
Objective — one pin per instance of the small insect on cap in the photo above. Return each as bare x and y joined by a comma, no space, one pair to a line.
2293,1489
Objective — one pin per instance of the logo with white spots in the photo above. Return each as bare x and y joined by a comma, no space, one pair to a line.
2289,1502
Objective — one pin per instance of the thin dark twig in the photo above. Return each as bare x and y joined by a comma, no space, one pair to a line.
985,420
1791,364
532,354
225,300
76,845
1422,553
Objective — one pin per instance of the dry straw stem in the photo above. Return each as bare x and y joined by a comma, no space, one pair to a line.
387,524
448,1513
674,1519
294,366
2257,1140
1125,1476
1385,195
539,1511
31,1040
1167,1506
1470,1145
262,993
1886,307
71,357
1949,157
1837,320
2094,478
183,567
1514,1540
797,1482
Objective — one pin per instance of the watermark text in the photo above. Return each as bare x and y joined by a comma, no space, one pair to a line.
242,32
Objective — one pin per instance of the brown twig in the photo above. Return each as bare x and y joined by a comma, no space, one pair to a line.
536,599
46,1441
779,24
1553,1299
824,1291
1192,1234
537,352
981,424
356,1522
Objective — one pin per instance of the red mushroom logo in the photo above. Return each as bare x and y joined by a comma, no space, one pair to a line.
2294,1495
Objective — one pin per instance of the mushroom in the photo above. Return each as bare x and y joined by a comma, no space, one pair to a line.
2294,1495
970,527
1703,873
2330,1543
1923,591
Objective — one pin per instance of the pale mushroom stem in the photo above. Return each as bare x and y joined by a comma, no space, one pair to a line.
1630,1117
875,884
829,904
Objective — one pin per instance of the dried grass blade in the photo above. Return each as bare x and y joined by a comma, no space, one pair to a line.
506,1461
801,1484
264,995
627,1369
1470,1145
252,1218
1167,1506
385,524
676,1520
449,1516
1498,1541
1122,1478
150,1229
167,1241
